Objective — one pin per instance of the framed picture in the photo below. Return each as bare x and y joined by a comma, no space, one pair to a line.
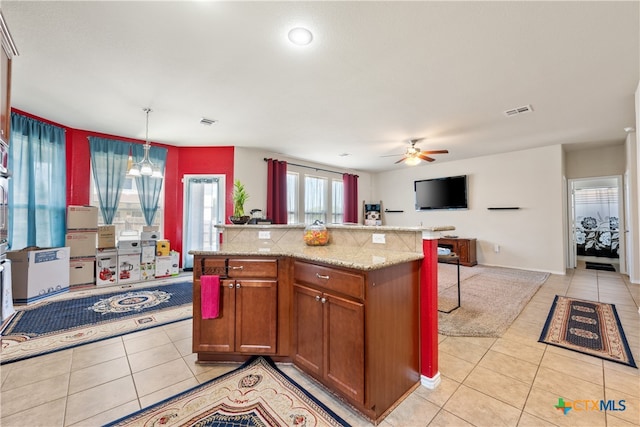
372,213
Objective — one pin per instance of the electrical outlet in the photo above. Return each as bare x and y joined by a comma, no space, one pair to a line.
377,238
264,234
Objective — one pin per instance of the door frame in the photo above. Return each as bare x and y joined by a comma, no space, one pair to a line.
572,185
221,206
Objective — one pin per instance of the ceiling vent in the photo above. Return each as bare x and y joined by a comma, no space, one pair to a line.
207,122
518,110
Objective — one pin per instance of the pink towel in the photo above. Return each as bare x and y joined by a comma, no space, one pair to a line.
210,296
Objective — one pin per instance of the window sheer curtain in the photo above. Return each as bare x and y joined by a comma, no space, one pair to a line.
315,199
109,163
38,184
277,191
350,197
149,188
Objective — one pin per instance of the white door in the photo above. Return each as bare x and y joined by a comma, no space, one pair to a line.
203,209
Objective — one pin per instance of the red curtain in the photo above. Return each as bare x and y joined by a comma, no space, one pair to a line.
277,191
350,197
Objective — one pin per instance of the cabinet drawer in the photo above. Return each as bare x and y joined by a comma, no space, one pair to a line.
330,278
262,268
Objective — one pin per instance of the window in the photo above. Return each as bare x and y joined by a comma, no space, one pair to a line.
337,201
313,196
292,198
129,216
315,199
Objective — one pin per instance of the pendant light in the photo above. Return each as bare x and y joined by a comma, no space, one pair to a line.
146,166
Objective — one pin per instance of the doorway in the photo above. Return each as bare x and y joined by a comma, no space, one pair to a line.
204,204
596,218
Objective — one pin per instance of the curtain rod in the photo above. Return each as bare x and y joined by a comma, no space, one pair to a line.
310,167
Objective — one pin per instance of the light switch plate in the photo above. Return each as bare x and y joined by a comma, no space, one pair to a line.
377,238
264,234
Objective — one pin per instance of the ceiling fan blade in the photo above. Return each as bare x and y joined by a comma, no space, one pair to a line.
401,160
426,158
435,151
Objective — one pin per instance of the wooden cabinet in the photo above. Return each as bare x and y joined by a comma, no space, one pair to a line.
329,337
357,332
464,248
248,318
7,52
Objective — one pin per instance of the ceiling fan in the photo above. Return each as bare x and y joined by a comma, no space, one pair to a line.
413,155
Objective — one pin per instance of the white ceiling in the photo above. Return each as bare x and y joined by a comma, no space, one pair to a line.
376,74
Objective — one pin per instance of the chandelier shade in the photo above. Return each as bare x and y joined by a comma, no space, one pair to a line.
145,167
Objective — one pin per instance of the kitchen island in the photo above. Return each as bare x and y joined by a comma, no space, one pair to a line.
347,314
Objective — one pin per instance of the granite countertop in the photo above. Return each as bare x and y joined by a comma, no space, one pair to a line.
350,250
340,256
341,226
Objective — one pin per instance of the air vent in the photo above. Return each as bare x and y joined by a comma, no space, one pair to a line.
207,122
519,110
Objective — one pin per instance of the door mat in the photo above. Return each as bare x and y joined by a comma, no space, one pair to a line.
599,266
65,323
587,327
255,394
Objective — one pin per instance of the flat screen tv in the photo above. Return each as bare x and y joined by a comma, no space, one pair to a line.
441,193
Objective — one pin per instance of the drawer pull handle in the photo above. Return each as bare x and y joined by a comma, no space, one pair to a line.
237,285
323,300
317,297
320,276
230,285
237,268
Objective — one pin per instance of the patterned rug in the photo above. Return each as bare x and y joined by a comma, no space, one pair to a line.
67,322
255,394
587,327
490,298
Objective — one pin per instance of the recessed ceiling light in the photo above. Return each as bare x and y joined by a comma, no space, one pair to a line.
300,36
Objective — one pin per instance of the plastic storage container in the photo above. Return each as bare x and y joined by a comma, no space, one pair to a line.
316,234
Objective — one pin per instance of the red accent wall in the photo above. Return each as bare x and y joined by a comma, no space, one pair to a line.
180,161
194,160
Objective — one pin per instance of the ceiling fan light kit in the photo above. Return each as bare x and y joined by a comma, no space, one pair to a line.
413,156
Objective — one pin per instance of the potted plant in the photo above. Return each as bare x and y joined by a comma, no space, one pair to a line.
240,196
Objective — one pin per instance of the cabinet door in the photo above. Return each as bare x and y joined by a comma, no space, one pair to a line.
307,329
215,335
256,316
463,250
344,346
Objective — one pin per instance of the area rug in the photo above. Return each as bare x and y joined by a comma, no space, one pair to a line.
255,394
491,298
60,324
587,327
599,266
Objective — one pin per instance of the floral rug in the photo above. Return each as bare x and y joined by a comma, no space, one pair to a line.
255,394
587,327
86,317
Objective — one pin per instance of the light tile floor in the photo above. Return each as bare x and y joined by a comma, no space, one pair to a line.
508,381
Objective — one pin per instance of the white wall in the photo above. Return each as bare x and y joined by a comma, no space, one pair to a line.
632,180
530,238
251,169
592,162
